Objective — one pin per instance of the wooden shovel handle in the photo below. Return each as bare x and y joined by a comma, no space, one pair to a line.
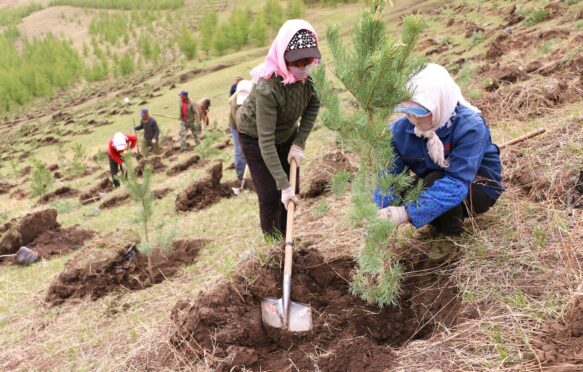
289,230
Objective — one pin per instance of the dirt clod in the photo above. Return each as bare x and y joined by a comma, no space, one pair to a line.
104,186
25,230
97,270
60,193
154,161
316,181
208,191
184,165
563,340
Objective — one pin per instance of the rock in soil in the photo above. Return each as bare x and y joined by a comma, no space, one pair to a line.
562,343
316,180
208,191
17,234
224,324
112,263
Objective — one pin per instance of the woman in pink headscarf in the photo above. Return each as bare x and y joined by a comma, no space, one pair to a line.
268,120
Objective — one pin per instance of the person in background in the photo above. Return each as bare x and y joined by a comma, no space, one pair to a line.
151,133
233,89
446,143
116,149
189,120
243,90
267,121
204,106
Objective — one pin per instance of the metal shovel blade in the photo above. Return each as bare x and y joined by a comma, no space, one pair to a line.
300,315
236,190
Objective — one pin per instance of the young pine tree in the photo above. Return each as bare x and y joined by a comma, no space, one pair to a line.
207,28
374,69
141,193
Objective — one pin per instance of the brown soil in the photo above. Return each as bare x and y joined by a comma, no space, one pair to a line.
120,199
348,334
105,185
184,165
114,201
5,187
112,264
154,161
57,242
201,194
316,180
60,193
19,233
562,343
19,194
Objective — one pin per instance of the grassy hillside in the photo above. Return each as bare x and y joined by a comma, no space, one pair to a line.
498,304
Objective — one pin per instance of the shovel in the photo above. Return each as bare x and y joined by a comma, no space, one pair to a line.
281,312
237,190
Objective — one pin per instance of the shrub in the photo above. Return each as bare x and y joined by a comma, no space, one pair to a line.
187,44
42,179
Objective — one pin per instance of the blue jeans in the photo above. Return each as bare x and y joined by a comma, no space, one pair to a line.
239,158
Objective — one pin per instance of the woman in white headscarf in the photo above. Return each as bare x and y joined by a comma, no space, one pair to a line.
445,141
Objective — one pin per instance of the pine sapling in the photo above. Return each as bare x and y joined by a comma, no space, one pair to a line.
374,70
141,193
42,179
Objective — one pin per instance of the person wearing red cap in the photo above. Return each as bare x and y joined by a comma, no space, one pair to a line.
116,149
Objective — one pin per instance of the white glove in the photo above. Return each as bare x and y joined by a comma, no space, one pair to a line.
154,140
397,215
297,153
288,195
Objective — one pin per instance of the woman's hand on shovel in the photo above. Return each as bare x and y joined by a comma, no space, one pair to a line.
288,195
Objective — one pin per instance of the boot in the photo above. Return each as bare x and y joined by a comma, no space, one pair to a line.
441,248
426,232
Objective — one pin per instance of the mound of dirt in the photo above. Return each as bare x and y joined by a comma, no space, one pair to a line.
59,241
200,194
115,200
5,187
19,233
111,263
60,193
316,180
154,161
562,344
225,326
184,165
104,186
19,194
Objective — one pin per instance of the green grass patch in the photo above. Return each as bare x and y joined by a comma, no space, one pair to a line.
121,4
12,16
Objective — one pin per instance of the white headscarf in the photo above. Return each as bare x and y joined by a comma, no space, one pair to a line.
434,89
120,141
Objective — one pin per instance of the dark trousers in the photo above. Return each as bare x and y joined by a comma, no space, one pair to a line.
114,168
451,222
272,213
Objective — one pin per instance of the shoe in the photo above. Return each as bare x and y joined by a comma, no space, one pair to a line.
440,250
424,233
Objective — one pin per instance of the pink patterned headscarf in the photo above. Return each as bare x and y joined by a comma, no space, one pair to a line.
274,62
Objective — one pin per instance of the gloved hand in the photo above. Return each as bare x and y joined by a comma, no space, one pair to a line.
397,215
288,195
154,141
297,153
